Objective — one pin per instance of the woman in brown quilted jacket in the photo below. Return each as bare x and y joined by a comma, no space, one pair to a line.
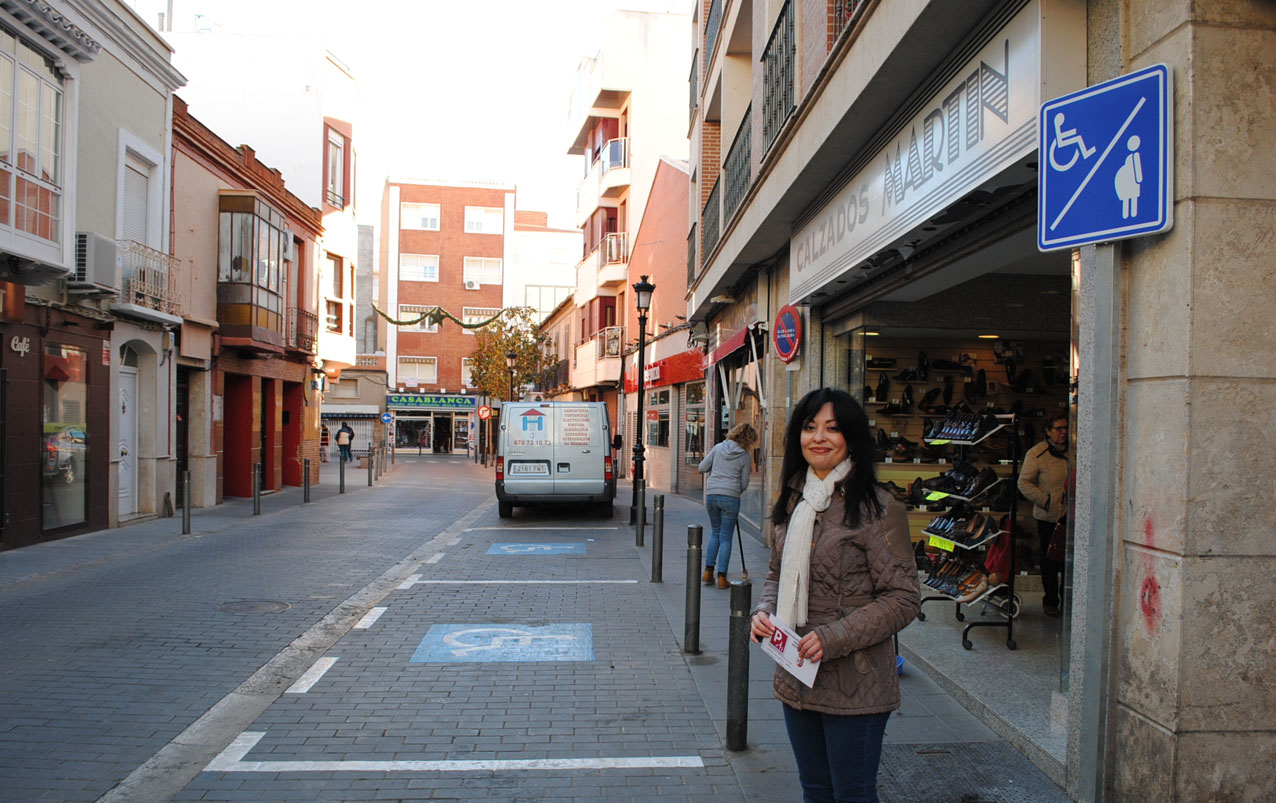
842,576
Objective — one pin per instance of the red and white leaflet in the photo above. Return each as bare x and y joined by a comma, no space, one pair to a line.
782,647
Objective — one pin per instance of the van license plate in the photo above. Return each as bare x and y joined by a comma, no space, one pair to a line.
534,469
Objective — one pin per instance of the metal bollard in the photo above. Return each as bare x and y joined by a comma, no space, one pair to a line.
186,503
640,492
372,459
658,538
256,489
305,480
738,666
341,473
691,629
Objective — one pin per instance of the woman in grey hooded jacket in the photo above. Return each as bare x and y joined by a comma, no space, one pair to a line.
728,465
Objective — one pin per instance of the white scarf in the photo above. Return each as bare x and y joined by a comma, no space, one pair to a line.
795,561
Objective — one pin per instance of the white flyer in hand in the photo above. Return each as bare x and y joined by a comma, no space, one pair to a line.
783,649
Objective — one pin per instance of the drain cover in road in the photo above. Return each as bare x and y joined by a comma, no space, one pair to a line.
536,549
481,643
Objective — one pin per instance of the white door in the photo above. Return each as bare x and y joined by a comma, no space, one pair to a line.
127,447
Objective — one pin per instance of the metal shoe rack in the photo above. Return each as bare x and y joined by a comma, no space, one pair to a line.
1000,597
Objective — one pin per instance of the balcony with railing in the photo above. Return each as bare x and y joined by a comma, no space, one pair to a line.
778,64
303,330
737,168
597,358
691,256
613,177
613,259
845,13
694,81
711,219
149,284
712,25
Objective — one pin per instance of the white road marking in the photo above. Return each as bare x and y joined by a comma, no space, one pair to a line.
522,582
232,760
438,556
409,582
371,617
454,542
312,676
522,529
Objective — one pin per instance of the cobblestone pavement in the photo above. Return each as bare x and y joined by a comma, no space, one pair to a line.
402,642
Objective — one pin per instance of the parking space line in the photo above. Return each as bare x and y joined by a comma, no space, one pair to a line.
438,556
232,760
371,617
454,542
522,582
526,529
312,676
411,580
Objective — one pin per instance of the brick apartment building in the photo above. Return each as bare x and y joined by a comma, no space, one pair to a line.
447,245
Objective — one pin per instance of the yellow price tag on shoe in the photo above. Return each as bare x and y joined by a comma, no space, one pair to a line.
941,543
935,496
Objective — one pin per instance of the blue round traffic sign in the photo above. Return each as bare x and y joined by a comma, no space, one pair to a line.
386,418
787,332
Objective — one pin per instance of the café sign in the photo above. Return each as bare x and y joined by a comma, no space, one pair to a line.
421,401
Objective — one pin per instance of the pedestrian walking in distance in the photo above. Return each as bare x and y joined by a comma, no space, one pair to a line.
842,575
345,437
728,465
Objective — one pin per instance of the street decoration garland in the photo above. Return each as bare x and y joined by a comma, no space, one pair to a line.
436,315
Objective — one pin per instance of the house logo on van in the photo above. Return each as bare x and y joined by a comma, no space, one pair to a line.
533,420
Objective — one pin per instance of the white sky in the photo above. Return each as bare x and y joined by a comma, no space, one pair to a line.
452,89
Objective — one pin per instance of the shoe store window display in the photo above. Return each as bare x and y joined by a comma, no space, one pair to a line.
1043,480
842,575
729,468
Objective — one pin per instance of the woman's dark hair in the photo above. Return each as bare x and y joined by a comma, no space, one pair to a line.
860,485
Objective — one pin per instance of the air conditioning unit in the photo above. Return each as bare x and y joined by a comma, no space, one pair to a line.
471,284
98,263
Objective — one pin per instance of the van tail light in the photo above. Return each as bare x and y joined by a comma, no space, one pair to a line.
500,468
607,473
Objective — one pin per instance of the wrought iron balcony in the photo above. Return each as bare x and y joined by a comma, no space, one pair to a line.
712,23
691,256
737,169
711,220
845,12
777,76
149,278
694,81
303,329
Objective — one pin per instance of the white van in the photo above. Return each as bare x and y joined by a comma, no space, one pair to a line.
554,453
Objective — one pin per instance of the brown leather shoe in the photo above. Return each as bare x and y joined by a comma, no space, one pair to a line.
708,576
722,581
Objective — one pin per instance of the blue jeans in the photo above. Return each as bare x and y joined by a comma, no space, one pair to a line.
837,756
723,512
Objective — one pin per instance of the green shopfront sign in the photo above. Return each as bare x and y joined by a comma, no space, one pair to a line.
417,401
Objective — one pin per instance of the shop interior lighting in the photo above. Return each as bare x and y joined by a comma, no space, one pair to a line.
988,337
871,334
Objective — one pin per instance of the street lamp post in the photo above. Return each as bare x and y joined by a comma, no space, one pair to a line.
642,300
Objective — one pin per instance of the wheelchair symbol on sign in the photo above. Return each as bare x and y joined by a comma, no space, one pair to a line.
497,638
1067,139
527,549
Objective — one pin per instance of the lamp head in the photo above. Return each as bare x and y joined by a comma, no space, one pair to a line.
510,359
642,294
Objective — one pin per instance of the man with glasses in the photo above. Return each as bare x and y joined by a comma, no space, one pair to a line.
1043,479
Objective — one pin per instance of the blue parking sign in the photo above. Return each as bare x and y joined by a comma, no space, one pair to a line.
1107,161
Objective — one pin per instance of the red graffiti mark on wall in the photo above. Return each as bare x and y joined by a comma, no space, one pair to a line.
1149,535
1150,603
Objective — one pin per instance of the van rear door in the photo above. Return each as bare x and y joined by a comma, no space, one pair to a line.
579,449
529,448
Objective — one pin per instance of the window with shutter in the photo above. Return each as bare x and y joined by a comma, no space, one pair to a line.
137,190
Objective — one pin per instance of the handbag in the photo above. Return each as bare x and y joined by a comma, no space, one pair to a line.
1057,549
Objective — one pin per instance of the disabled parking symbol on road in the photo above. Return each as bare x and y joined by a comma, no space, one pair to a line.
537,549
480,643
